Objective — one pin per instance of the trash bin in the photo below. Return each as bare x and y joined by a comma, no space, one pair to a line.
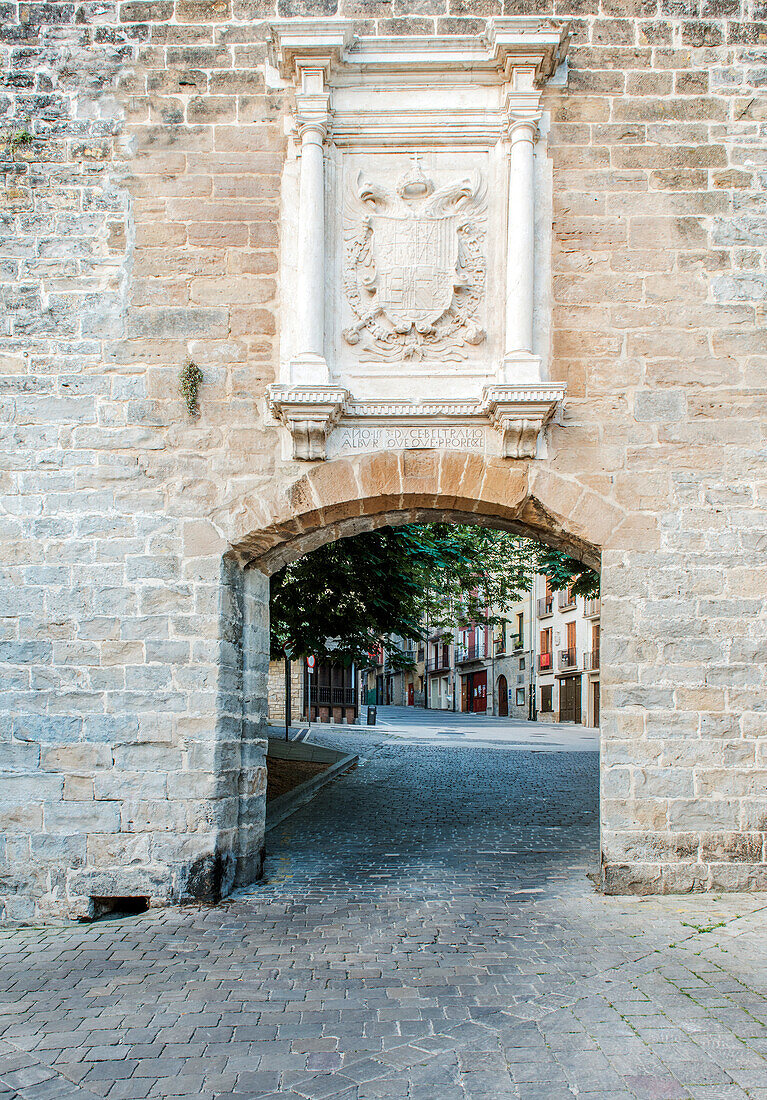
371,716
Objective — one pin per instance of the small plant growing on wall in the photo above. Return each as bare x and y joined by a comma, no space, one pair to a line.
16,140
191,379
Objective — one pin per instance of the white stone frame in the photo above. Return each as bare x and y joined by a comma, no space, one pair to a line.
361,93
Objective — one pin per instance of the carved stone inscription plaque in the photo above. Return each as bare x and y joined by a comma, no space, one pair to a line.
353,439
414,263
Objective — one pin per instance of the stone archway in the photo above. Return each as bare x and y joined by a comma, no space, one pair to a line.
345,497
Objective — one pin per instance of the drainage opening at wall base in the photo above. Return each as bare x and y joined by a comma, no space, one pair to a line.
118,907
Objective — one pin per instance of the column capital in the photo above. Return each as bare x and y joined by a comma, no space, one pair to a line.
296,44
521,414
312,117
523,128
312,130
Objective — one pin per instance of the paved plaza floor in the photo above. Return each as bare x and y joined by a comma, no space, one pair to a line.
426,931
441,727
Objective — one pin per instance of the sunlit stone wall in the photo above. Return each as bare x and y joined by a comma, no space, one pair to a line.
141,181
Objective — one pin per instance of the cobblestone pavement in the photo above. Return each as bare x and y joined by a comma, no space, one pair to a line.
426,932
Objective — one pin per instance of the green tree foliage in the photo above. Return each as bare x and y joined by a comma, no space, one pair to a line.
341,600
492,572
357,591
564,571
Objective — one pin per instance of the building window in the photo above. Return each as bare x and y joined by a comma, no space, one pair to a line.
521,663
546,703
545,663
520,697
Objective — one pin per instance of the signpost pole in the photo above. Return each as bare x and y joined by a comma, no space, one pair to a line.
287,698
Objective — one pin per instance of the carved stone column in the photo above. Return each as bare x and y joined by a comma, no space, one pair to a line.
309,366
520,365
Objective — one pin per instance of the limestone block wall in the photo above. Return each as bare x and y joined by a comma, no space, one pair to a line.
140,193
277,690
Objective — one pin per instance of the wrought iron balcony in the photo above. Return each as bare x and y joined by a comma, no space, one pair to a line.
545,606
568,658
517,641
471,653
438,664
545,662
565,600
591,661
592,608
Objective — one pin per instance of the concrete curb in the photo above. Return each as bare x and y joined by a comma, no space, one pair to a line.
278,730
281,808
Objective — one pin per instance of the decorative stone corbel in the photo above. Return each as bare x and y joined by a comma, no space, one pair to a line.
528,48
309,413
293,41
521,414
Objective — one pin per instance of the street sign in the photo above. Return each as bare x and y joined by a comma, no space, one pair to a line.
310,663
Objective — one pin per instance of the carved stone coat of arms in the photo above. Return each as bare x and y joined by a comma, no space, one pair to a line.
414,272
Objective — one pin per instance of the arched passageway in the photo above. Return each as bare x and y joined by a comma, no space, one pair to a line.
349,496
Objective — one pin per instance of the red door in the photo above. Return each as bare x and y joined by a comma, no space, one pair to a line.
478,691
481,691
410,695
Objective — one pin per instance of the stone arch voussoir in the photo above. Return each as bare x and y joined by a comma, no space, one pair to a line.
346,496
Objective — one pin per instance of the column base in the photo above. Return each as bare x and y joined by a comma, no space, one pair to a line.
309,370
520,368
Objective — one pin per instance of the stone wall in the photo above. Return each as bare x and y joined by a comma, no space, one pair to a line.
140,228
277,691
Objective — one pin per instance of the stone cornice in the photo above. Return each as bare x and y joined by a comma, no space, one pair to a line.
519,412
509,43
413,411
320,41
515,54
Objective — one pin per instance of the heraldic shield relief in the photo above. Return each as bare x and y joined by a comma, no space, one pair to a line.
414,266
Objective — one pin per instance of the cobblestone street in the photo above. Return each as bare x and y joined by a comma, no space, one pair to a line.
426,931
